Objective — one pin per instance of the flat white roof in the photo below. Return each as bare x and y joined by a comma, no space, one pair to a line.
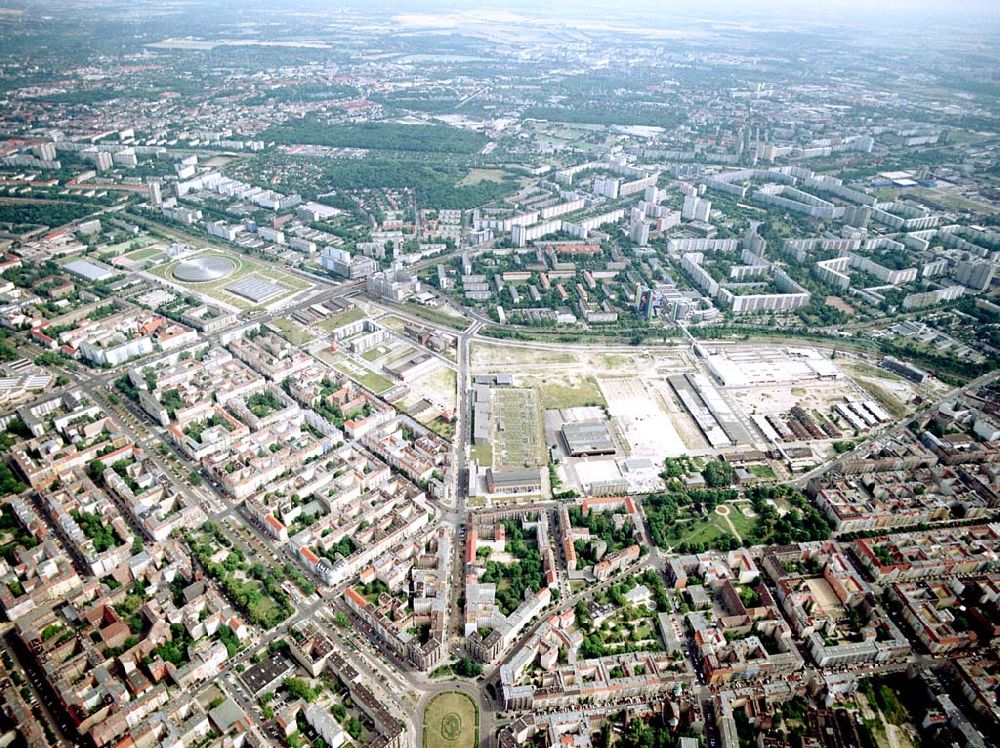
88,270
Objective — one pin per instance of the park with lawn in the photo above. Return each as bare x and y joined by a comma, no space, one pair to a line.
695,520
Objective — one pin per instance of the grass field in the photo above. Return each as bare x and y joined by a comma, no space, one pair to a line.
451,720
393,323
703,531
364,377
136,248
744,525
339,320
872,371
482,453
442,428
143,254
292,331
395,352
487,355
475,176
707,530
557,391
437,316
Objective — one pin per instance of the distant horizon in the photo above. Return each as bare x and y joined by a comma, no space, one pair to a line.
905,12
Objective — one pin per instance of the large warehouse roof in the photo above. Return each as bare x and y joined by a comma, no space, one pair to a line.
588,438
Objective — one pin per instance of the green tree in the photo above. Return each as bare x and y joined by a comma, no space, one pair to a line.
299,689
468,668
95,470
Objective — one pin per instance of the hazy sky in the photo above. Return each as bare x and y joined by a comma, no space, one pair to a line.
902,11
975,14
980,17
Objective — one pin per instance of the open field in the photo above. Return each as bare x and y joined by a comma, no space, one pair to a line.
451,720
487,355
647,417
392,322
209,694
442,316
501,357
558,391
292,331
872,371
780,398
391,350
136,248
143,254
838,302
707,530
360,374
955,201
482,453
475,176
429,398
624,381
645,425
339,320
365,377
440,384
902,388
619,363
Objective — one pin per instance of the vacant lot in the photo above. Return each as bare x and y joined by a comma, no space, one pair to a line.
886,398
451,720
442,316
498,357
838,303
439,387
558,390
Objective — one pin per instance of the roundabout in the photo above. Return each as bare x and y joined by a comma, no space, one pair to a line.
451,720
